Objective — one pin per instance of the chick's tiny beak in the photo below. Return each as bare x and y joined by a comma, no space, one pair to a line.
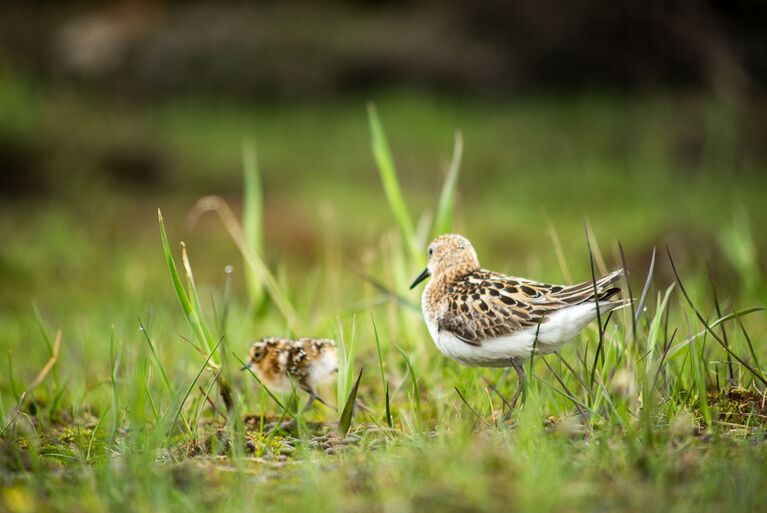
425,274
245,367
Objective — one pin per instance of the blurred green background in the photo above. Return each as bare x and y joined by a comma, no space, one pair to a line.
646,121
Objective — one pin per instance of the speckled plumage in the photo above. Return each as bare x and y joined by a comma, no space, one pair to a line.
484,318
307,362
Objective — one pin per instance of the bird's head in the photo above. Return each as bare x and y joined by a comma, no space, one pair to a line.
257,353
450,253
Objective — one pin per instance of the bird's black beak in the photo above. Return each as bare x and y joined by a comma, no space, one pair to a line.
245,367
421,277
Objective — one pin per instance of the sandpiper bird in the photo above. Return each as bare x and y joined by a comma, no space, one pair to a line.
486,319
307,362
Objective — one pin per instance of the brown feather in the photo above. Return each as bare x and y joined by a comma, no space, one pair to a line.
483,304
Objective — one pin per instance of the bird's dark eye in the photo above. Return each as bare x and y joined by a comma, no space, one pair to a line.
431,252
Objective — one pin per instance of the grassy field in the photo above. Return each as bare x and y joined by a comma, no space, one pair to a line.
110,395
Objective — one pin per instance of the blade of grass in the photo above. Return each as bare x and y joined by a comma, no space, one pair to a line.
596,301
152,349
93,434
390,182
699,381
227,300
163,374
498,393
730,316
646,288
283,408
194,298
475,412
575,374
193,384
750,345
664,356
252,257
39,379
186,305
569,394
558,250
345,375
225,390
758,374
631,295
730,372
47,339
413,378
384,384
387,291
252,218
114,365
443,222
345,422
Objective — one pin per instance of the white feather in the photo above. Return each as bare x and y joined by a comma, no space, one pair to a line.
324,369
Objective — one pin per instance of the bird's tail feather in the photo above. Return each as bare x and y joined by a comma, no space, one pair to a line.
585,291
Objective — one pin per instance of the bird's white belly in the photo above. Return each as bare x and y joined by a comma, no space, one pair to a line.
496,352
279,384
324,369
560,327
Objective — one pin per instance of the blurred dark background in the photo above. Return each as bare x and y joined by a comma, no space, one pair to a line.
257,50
146,52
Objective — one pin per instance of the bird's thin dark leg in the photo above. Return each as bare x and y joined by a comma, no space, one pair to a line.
521,389
522,380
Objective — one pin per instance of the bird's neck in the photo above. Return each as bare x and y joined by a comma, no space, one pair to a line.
441,283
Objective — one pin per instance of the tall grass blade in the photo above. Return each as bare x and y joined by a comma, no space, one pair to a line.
249,253
194,298
554,236
646,288
345,375
630,292
596,301
252,218
651,340
663,358
390,182
186,305
443,222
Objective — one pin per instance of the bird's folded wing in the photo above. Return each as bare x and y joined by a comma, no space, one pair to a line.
488,305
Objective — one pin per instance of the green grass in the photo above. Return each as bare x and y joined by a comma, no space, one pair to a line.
131,415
